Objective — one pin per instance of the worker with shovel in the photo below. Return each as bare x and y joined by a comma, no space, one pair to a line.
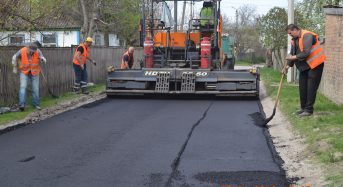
79,63
30,57
308,56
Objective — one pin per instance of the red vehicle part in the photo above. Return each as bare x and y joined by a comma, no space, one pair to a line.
149,52
205,52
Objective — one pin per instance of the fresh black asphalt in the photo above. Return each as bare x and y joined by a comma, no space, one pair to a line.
144,142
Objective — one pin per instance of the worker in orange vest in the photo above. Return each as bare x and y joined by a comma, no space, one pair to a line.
127,60
30,57
79,64
308,56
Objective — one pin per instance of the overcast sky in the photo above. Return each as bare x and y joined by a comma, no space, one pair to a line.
228,7
262,6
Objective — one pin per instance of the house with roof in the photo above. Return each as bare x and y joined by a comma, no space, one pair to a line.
58,31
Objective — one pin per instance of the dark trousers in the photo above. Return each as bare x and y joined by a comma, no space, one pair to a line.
229,64
80,77
309,81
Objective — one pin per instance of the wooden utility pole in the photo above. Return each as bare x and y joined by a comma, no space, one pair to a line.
291,71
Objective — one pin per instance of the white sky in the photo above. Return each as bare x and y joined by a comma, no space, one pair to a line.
228,7
262,6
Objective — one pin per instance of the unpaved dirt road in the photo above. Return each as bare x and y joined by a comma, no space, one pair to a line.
143,142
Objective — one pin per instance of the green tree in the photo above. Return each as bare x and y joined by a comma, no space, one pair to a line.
313,12
117,16
244,30
123,18
272,29
27,15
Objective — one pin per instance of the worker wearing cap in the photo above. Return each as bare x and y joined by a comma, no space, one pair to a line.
30,57
79,63
127,61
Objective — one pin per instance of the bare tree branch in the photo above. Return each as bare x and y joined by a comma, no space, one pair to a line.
85,18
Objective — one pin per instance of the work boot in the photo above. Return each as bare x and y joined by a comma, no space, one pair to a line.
305,113
299,112
22,108
77,90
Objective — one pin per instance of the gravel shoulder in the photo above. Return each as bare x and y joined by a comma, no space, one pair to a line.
291,147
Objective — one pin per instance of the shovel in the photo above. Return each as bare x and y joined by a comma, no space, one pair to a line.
258,117
47,85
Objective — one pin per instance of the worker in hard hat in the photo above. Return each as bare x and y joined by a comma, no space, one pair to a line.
127,60
79,63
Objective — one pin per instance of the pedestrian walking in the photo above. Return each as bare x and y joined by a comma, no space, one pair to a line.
79,64
30,57
308,56
127,60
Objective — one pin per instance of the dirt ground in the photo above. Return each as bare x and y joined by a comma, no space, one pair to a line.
291,147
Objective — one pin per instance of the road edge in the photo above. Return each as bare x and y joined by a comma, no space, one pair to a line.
291,146
52,111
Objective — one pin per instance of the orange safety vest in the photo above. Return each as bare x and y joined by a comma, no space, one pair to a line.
83,56
317,55
123,65
27,65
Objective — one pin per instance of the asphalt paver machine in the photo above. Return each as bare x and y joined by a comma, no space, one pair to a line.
183,60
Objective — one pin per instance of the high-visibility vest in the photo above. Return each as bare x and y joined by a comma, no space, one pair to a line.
83,56
27,65
207,13
317,55
123,65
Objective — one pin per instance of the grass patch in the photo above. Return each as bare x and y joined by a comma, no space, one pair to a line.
46,102
323,131
336,179
242,63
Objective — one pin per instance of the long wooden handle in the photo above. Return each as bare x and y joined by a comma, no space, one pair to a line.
280,85
279,90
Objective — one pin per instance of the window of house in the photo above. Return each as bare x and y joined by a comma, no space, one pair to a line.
17,39
49,40
97,40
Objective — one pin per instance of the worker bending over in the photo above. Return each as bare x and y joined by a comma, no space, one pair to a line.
127,60
30,57
308,56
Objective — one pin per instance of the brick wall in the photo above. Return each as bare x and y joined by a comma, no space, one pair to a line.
332,80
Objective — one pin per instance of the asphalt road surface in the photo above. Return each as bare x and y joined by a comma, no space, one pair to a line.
143,142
